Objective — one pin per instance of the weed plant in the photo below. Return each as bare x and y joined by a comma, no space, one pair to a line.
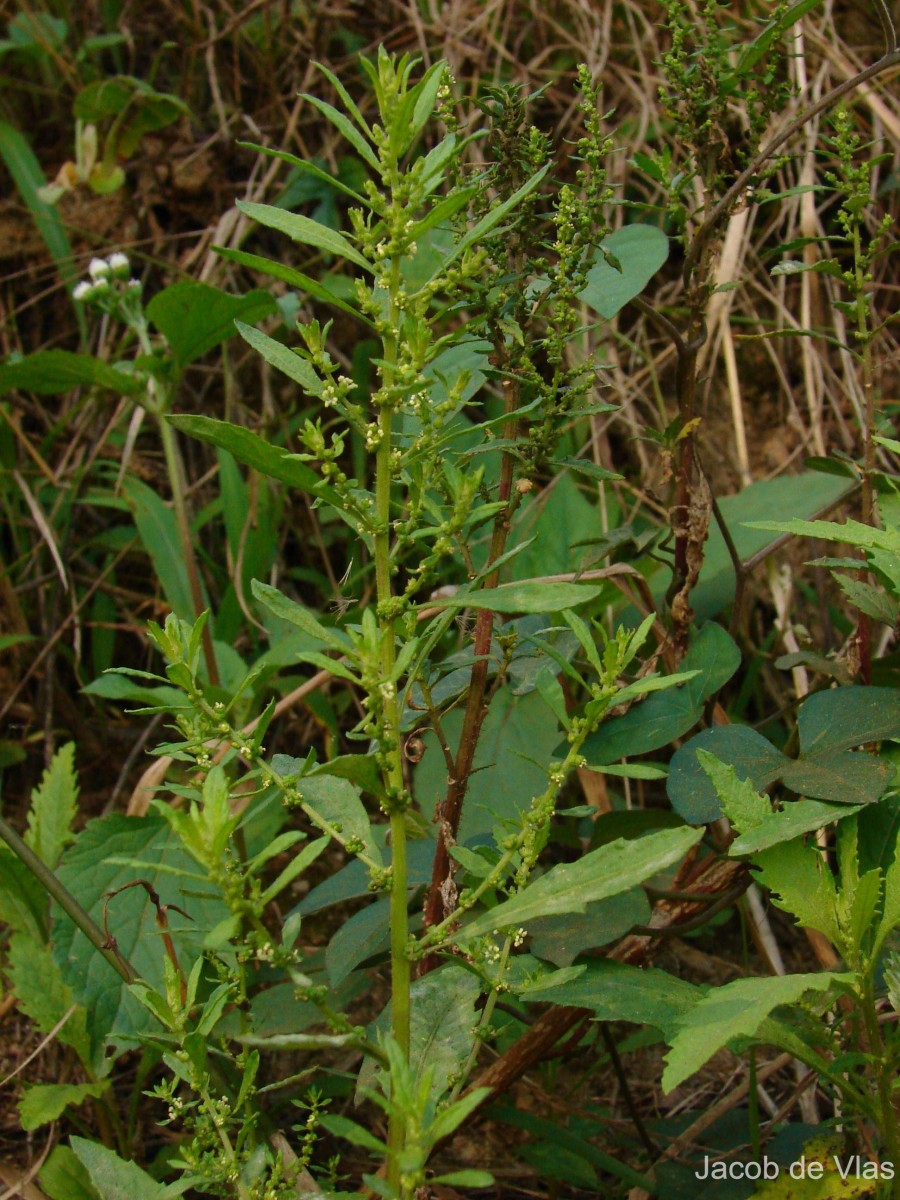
447,317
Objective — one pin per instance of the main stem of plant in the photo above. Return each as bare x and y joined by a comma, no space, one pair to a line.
400,963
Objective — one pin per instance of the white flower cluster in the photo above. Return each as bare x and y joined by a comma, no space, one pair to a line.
110,278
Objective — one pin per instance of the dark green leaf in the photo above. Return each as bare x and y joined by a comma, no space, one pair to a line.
641,250
303,229
49,372
195,317
692,793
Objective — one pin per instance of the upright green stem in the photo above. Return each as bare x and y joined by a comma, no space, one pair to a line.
400,963
889,1128
159,407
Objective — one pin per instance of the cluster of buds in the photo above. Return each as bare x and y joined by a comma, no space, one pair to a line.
110,286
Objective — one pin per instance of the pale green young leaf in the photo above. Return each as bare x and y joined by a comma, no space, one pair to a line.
352,1132
345,96
450,1118
744,806
802,885
570,887
890,914
54,805
295,867
305,230
733,1010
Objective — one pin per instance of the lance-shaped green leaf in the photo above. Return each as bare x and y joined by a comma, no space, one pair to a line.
282,358
492,219
303,229
254,451
531,597
49,372
570,887
292,277
289,610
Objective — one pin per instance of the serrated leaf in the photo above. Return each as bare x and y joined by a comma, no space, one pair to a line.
795,819
690,789
54,805
42,1103
305,230
735,1009
570,887
802,885
44,997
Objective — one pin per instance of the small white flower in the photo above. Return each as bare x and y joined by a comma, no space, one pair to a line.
83,291
98,268
119,264
134,287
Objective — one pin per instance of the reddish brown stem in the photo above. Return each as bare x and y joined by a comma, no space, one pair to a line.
441,899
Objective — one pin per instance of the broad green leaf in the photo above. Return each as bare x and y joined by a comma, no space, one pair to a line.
254,451
89,873
352,881
42,1103
442,1016
733,1010
640,250
195,317
113,1177
54,806
532,597
512,758
362,936
44,997
840,718
806,493
691,791
618,992
303,229
289,610
560,940
64,1177
49,372
839,775
665,716
159,535
570,887
283,359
